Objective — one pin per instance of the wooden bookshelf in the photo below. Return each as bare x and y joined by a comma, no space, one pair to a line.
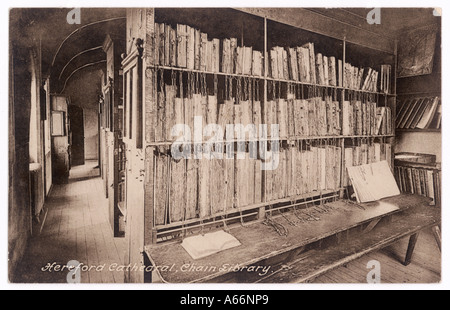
263,35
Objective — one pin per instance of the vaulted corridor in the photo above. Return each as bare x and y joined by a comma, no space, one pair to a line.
76,228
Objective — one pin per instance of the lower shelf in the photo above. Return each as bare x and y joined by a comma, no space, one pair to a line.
262,245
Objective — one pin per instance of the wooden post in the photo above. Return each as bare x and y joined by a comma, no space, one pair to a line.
437,235
410,250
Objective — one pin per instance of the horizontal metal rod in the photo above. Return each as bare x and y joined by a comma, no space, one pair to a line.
214,221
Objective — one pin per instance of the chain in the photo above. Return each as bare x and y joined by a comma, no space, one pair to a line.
279,228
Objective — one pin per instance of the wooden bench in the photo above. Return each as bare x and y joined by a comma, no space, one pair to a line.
309,249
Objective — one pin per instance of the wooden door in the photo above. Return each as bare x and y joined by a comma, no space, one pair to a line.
77,135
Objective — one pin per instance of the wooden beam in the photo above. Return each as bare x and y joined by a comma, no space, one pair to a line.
410,250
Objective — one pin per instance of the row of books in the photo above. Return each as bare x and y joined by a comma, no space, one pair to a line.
425,182
365,154
186,47
365,118
295,118
198,188
422,113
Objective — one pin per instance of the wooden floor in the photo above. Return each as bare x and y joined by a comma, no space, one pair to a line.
77,228
424,268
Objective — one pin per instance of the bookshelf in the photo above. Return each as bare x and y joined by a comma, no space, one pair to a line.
312,158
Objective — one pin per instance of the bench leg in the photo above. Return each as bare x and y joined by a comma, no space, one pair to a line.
437,235
411,246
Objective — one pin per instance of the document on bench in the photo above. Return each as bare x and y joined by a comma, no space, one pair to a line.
208,244
373,181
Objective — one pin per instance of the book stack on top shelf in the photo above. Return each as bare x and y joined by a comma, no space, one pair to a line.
419,113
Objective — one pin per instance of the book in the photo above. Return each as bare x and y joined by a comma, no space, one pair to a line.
200,246
372,182
293,64
428,114
247,60
226,56
332,71
319,69
190,48
257,64
181,50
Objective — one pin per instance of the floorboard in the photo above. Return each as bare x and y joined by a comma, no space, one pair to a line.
77,228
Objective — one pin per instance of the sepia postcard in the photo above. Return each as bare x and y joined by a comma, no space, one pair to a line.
217,145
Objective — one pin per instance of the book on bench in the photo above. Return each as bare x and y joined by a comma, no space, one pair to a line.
204,245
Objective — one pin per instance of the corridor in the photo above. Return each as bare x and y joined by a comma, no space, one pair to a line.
76,228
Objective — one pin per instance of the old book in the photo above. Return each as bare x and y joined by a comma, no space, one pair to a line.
379,120
247,60
169,120
204,200
209,56
167,38
191,189
226,56
217,187
181,46
173,47
373,181
201,246
257,182
157,43
332,71
203,51
337,167
257,64
325,71
330,115
160,117
190,48
312,117
177,198
274,63
285,63
225,116
348,161
319,69
239,60
358,115
428,114
282,118
293,64
303,64
340,74
178,115
321,110
297,118
337,115
414,112
230,177
197,49
291,117
312,62
161,44
212,110
216,55
233,55
161,189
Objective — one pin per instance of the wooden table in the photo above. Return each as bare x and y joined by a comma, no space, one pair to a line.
308,250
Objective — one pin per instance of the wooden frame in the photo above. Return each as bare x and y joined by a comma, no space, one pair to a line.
58,124
132,103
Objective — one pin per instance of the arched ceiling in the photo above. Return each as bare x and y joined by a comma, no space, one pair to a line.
71,54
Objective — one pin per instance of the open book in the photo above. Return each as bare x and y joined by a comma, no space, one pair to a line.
208,244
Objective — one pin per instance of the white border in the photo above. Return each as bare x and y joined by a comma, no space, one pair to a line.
4,20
